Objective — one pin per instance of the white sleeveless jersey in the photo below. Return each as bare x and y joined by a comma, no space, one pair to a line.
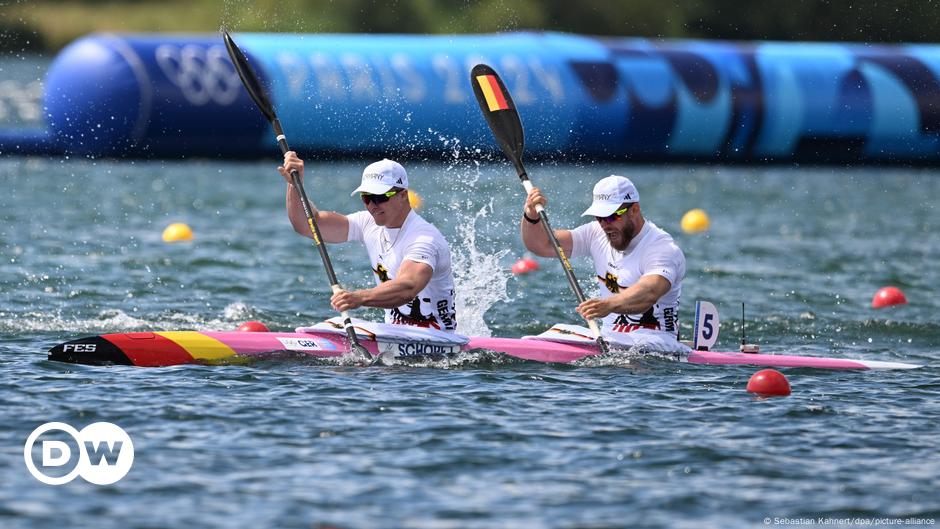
652,251
417,240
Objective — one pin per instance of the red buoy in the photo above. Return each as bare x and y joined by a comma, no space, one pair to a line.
769,383
524,266
253,326
887,297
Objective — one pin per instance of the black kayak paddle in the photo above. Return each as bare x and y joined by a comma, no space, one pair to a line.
259,96
503,119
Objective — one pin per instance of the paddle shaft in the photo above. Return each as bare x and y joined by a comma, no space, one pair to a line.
259,95
298,186
560,253
308,210
501,115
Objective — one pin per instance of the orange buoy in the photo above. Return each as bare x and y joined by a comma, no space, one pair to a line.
525,265
769,383
253,326
887,297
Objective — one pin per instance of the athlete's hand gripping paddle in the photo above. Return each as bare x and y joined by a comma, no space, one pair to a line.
259,96
503,119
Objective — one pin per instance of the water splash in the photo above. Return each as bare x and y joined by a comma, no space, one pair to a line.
112,320
237,311
475,359
116,320
638,357
480,279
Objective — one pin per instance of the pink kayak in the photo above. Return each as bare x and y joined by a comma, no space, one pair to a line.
149,349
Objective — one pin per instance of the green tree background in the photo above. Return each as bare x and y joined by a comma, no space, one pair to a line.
46,25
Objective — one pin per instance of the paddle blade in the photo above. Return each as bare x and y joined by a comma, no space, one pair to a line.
249,78
500,112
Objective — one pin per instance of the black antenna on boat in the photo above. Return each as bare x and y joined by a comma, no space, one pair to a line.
746,347
743,328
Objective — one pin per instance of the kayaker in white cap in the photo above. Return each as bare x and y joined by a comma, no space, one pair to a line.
409,256
639,267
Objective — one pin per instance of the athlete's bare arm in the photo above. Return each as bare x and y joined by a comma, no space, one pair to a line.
636,299
534,236
411,279
334,227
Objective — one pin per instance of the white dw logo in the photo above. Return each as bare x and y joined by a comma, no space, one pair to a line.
105,453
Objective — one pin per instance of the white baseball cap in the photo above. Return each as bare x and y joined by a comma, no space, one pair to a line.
381,177
609,194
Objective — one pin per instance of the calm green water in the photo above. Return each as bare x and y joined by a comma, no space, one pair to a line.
488,443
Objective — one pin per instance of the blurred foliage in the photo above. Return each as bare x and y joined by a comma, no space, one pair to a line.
19,36
49,25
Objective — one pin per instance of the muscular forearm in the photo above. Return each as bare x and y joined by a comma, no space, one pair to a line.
634,300
333,227
390,294
295,212
536,240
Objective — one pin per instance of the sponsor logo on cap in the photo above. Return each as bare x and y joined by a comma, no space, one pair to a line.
599,196
372,176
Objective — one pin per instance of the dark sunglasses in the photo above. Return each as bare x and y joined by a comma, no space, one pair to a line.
615,216
378,199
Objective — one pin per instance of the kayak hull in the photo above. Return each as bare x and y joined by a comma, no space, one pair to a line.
154,349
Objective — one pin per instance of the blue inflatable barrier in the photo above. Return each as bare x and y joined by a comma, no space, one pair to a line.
579,98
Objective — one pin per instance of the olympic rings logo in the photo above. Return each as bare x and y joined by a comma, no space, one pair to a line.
203,74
